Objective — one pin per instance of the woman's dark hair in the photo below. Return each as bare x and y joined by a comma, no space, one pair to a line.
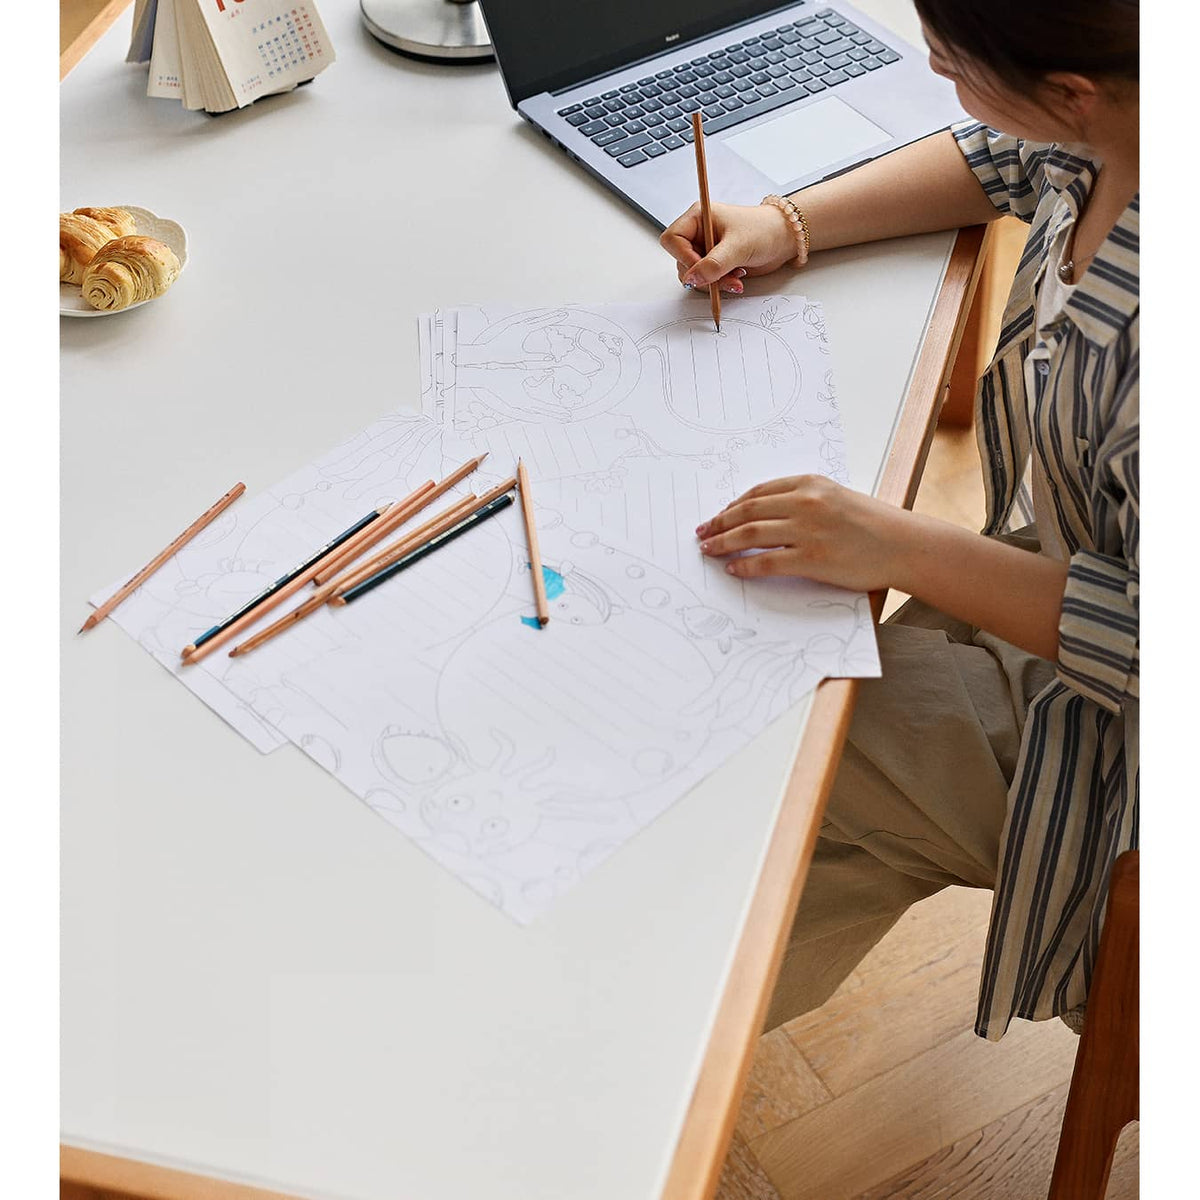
1023,41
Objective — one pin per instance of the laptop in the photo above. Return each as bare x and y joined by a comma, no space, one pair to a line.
790,94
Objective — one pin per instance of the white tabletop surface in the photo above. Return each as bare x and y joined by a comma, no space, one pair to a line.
260,979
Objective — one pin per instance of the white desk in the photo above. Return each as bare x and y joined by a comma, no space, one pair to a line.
261,981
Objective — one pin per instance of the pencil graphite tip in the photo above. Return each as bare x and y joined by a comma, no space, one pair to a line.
88,624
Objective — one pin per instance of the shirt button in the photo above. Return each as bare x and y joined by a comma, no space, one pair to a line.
1043,368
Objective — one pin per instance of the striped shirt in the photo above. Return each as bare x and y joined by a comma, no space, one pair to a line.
1073,804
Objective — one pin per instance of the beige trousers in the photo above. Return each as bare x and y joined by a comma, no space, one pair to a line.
920,797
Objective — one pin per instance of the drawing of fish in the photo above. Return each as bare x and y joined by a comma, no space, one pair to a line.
702,623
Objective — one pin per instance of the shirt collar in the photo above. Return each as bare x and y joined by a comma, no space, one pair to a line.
1107,297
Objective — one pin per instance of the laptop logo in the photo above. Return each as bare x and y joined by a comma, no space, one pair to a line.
671,37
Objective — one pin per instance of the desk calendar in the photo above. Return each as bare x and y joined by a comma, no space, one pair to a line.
219,55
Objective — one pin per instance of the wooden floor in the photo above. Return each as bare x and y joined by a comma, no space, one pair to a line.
885,1093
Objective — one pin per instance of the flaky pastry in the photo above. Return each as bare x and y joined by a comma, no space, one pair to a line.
127,271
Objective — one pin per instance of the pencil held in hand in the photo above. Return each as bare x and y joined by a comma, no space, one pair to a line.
157,561
714,289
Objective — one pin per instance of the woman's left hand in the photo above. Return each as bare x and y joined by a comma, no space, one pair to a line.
808,525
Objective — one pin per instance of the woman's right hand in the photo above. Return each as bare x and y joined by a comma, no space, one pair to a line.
746,241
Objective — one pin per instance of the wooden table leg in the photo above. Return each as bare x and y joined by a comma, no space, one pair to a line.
1104,1086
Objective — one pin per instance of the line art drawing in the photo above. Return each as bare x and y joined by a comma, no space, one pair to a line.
522,758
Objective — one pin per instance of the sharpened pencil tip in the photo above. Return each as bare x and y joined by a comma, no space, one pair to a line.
235,652
86,625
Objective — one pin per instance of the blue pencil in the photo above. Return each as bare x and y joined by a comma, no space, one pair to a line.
270,590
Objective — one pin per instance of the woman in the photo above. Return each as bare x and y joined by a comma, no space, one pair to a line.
1000,747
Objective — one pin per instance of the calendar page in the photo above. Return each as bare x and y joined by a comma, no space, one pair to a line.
166,67
266,45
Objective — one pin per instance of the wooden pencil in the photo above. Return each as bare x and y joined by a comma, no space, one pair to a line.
397,514
714,289
400,547
336,566
325,592
480,515
311,560
191,656
535,557
420,537
205,518
313,601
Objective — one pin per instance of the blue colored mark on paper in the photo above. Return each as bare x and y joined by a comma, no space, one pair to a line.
555,586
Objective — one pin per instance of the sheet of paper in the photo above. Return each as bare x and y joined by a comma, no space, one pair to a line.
642,419
253,543
520,757
166,66
141,38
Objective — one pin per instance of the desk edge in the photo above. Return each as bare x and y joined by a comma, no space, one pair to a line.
96,28
117,1176
712,1113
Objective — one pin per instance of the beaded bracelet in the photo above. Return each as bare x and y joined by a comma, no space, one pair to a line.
795,219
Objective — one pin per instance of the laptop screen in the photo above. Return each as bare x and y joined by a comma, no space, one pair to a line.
544,45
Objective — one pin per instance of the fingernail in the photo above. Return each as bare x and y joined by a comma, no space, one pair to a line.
704,547
740,272
702,529
729,569
735,288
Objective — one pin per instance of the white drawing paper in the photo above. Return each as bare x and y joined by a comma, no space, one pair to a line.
522,757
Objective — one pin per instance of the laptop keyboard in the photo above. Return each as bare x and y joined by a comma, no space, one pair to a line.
647,119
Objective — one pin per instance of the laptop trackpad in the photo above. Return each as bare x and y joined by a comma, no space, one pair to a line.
807,141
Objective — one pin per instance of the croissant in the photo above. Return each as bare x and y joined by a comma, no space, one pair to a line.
118,220
78,240
127,271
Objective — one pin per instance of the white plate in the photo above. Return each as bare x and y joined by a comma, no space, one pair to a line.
70,295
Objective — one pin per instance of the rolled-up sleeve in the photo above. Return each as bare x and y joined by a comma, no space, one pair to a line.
1008,168
1098,646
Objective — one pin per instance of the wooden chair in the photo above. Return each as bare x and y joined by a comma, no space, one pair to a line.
1104,1085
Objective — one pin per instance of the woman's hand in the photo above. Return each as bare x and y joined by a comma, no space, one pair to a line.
810,526
747,241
